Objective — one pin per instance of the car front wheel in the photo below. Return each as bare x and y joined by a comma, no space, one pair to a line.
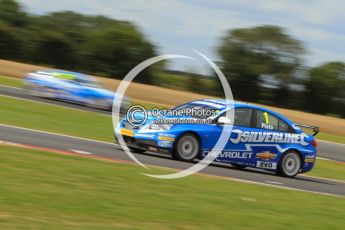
289,164
187,148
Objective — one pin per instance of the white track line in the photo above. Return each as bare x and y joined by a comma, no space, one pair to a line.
331,142
81,152
58,134
283,187
273,182
322,178
325,159
11,87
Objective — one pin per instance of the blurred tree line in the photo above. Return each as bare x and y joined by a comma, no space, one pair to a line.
263,64
68,40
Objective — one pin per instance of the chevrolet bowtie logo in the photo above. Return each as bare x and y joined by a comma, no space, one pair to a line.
266,155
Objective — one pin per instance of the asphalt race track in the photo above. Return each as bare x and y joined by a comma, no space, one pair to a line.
326,149
113,151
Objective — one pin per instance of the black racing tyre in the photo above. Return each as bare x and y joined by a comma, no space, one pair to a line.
187,147
238,166
136,150
290,164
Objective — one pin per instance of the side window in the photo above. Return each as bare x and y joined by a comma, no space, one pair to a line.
283,126
243,117
265,120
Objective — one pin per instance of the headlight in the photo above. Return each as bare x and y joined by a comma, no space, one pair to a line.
157,127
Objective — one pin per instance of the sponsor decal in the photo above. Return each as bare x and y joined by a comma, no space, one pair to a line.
126,132
145,135
165,143
230,154
266,155
269,137
266,165
166,137
309,159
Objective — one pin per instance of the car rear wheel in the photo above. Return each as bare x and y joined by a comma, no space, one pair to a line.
289,164
187,148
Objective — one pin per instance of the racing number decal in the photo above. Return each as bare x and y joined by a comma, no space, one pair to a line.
266,117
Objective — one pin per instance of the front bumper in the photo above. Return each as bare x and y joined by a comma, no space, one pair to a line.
155,142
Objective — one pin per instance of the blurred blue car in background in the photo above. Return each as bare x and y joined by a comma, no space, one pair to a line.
71,87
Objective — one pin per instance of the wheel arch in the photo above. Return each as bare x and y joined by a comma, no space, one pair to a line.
186,132
294,150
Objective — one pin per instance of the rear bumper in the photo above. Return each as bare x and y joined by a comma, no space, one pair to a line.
309,162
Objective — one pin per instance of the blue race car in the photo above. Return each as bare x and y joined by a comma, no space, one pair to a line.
260,138
72,87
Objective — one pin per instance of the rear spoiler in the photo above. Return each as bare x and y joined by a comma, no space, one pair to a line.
314,128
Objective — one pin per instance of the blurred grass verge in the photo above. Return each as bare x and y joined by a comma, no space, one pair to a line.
11,81
52,118
331,137
328,169
96,126
42,190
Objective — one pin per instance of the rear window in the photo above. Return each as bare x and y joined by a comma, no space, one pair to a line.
283,126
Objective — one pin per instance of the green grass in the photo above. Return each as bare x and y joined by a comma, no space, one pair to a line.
328,169
10,81
331,137
57,119
46,191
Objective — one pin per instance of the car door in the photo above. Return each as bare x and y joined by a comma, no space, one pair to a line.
235,151
264,139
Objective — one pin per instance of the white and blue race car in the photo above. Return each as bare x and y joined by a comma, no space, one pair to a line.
260,138
71,87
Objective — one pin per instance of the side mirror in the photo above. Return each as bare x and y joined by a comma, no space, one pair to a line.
224,121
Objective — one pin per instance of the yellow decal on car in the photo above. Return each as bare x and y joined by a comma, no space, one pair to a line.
164,138
266,117
309,160
127,132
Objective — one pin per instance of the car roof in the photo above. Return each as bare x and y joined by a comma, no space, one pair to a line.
65,74
222,104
